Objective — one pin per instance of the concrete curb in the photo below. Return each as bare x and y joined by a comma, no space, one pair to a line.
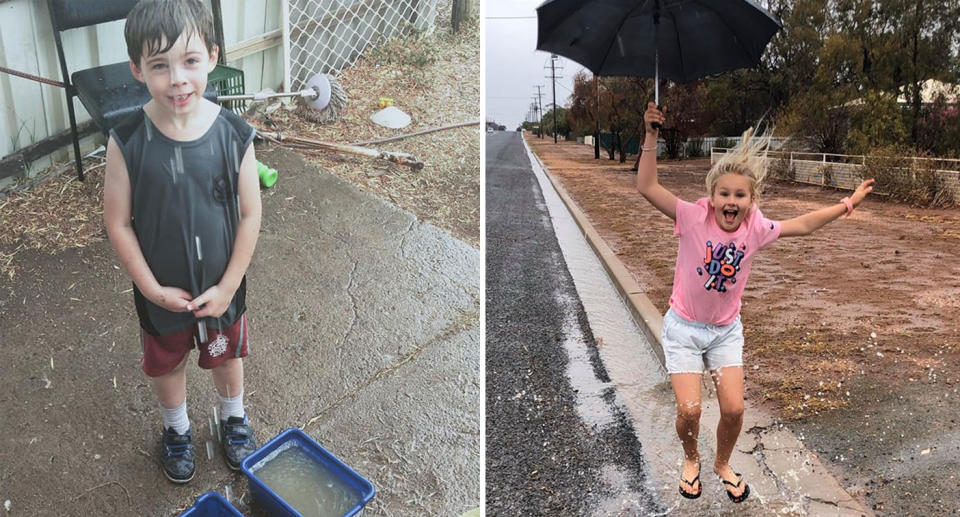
782,460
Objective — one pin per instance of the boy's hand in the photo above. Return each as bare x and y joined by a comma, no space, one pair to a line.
865,188
213,302
653,115
172,299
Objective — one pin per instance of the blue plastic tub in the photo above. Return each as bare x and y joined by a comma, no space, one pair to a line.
211,504
273,503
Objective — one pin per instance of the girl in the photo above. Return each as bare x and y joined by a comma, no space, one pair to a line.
719,235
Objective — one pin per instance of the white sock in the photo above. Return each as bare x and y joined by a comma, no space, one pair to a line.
231,406
176,418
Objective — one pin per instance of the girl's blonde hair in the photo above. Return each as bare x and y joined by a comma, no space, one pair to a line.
748,158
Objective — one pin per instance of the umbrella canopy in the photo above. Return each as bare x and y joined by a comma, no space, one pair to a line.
694,38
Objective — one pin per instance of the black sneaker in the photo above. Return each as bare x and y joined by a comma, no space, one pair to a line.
238,440
176,456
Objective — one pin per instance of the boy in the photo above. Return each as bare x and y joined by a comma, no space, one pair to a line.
182,211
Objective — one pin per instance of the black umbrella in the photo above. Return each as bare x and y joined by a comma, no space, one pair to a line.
681,40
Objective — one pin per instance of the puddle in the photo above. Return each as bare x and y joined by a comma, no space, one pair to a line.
642,387
590,391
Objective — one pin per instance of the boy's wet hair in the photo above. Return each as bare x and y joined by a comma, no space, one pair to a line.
748,158
154,22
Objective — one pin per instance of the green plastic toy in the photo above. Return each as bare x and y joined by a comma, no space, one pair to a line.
267,175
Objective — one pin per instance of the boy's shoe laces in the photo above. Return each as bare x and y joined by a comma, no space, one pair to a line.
238,440
177,457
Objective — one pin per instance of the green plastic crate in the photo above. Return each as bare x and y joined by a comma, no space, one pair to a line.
228,81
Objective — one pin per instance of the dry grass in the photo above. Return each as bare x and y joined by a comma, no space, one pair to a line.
52,216
823,364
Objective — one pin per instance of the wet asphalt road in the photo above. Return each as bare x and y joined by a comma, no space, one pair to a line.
541,457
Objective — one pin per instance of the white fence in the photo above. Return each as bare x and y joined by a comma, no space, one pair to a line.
707,144
843,171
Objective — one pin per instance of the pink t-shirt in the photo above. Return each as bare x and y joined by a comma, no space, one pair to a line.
713,265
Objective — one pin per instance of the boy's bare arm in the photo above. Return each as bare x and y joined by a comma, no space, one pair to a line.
116,218
215,300
647,183
813,221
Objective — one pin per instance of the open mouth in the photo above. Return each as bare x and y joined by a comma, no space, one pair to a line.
730,215
181,99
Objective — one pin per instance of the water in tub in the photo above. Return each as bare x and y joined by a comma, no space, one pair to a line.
304,483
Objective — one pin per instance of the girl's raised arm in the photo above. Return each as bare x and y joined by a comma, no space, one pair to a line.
808,223
647,183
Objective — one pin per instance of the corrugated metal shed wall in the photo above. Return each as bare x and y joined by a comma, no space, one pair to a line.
31,111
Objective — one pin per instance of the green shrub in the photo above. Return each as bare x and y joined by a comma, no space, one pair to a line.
694,147
723,142
904,179
828,179
781,169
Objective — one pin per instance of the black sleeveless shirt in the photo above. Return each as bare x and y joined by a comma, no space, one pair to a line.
185,209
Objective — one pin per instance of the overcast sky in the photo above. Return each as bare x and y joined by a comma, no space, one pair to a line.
514,68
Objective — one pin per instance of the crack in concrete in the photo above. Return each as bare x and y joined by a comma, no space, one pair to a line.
403,238
824,501
353,311
758,452
464,321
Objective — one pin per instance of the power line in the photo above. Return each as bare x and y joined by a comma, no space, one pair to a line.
510,18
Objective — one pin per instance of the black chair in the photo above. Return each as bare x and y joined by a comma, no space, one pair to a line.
109,93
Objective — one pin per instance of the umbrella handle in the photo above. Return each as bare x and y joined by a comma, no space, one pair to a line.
656,125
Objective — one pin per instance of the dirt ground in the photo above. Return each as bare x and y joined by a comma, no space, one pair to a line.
852,326
363,324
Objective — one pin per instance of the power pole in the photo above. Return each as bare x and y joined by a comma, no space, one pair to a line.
596,127
540,104
553,76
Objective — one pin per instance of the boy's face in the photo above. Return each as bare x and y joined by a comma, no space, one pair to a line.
177,78
731,201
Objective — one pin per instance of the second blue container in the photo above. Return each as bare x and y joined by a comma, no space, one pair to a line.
211,504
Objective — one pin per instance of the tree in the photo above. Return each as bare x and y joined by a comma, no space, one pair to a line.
876,122
583,115
938,130
563,128
818,121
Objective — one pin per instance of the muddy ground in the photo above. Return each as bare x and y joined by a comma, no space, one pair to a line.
851,328
363,330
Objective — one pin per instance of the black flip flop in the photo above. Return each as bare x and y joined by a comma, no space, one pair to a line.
691,495
746,489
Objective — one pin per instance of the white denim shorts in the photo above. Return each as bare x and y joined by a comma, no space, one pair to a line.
692,347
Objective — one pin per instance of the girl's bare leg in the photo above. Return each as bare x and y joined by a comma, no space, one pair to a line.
171,388
729,384
686,388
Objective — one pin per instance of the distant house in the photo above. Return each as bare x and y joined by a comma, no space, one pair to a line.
929,91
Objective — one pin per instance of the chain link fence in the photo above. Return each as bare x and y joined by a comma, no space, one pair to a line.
326,36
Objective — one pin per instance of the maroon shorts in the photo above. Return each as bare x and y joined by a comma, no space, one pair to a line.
161,354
